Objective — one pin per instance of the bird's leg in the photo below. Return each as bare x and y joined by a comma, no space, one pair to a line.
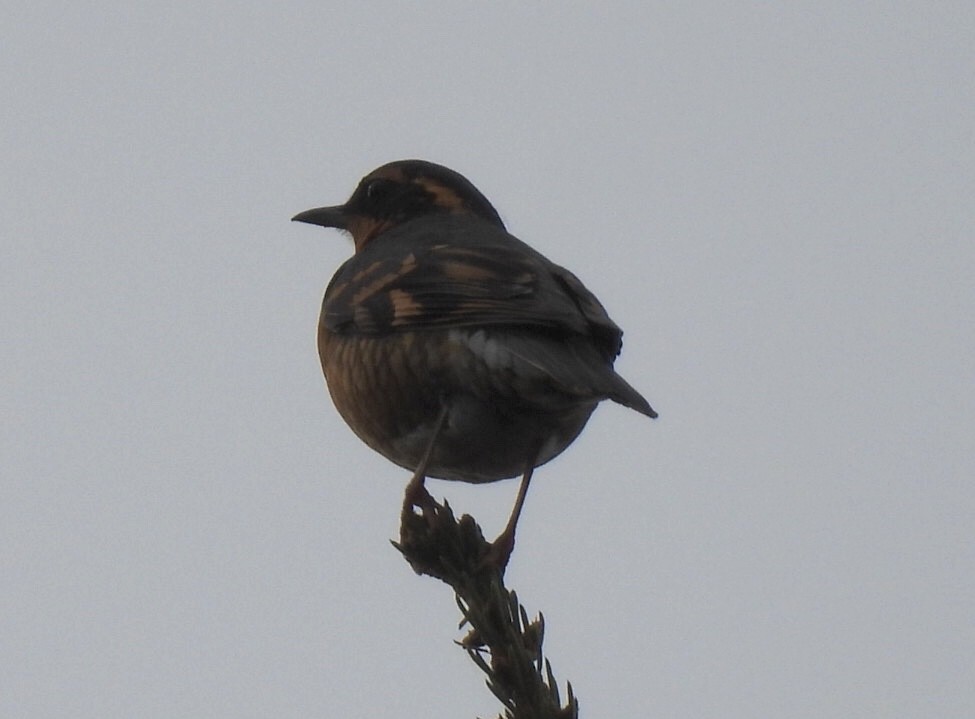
416,493
504,544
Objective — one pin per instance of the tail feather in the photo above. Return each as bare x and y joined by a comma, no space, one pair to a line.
577,369
624,394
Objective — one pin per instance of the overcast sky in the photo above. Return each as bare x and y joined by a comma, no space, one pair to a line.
777,204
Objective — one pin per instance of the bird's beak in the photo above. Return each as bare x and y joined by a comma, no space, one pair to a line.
324,216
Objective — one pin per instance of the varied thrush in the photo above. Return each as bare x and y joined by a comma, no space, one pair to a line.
451,347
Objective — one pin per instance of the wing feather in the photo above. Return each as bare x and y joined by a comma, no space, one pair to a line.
483,277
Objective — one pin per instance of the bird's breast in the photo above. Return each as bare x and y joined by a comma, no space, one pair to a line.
391,388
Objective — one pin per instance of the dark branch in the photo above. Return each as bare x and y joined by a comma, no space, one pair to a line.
502,641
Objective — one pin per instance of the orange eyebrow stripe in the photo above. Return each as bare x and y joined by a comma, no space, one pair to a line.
443,196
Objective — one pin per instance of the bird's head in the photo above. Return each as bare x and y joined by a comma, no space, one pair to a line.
398,192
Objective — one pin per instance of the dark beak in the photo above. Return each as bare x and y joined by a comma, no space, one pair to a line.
324,216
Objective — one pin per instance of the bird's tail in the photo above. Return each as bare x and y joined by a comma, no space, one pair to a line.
624,394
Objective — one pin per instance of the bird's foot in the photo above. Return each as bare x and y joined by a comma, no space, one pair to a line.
499,551
416,497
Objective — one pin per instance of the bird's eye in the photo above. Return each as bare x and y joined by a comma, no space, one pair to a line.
376,190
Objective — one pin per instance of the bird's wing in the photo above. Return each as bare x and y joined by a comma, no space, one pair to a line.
499,283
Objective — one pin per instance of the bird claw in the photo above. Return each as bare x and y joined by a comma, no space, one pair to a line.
499,552
417,497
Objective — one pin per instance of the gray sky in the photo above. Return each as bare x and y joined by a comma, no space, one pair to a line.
775,203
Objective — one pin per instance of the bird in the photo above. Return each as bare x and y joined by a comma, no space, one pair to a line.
450,346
